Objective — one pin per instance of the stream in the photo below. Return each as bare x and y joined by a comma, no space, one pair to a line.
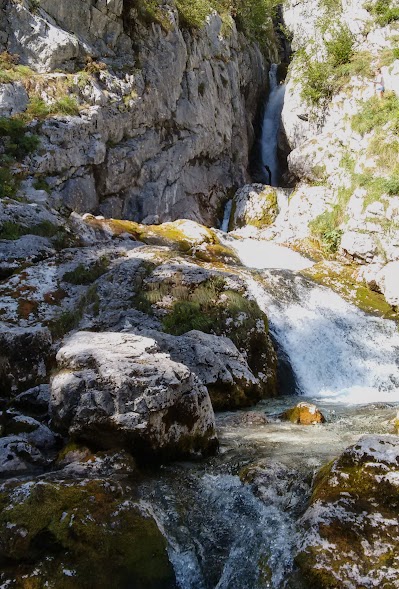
227,534
233,521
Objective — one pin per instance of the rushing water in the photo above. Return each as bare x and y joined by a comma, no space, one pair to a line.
271,124
226,530
227,533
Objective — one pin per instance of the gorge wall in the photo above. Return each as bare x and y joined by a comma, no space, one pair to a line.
140,114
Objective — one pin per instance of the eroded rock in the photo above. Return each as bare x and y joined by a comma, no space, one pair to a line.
119,389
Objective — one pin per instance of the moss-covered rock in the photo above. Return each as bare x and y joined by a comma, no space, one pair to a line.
90,534
351,530
254,204
188,297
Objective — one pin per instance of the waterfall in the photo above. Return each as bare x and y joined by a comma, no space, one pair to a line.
336,351
226,216
271,124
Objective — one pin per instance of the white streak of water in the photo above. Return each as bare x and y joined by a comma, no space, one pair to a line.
271,124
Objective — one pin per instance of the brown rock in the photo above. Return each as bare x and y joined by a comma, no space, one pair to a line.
304,414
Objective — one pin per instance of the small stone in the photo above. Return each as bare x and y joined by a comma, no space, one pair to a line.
304,414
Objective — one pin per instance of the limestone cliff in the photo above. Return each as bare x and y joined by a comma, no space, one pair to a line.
344,140
140,114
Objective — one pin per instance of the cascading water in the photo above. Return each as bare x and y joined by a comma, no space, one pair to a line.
336,350
270,126
224,533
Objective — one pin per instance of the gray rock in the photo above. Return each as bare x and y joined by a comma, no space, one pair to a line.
18,456
29,249
35,400
217,363
32,431
118,389
24,353
13,99
80,194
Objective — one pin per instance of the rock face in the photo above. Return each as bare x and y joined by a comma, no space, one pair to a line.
343,139
117,389
160,121
351,528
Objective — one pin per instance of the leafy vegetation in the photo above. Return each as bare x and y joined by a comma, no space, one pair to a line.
17,142
376,113
322,78
86,275
39,109
12,231
326,228
10,70
383,11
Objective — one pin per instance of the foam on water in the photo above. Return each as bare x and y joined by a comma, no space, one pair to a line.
266,254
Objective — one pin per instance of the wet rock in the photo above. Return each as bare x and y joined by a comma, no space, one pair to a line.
243,418
18,456
388,280
350,531
304,414
118,389
84,533
79,461
24,353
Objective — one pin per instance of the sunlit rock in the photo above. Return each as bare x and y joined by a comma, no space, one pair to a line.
350,534
304,414
119,389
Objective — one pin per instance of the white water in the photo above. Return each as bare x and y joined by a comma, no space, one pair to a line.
226,217
337,351
271,124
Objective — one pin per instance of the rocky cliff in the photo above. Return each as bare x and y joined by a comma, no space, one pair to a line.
344,140
141,111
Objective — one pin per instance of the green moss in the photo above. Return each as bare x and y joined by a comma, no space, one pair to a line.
91,528
342,279
384,12
376,113
86,275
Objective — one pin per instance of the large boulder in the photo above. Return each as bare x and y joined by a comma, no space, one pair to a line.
254,204
351,530
119,389
217,363
84,533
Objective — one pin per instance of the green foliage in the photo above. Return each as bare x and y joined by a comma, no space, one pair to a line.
86,275
10,230
378,113
321,79
17,143
10,71
41,184
326,228
39,109
340,48
383,11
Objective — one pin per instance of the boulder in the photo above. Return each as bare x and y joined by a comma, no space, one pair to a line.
34,401
388,279
361,246
13,99
217,363
18,456
304,414
350,532
120,390
80,533
254,204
